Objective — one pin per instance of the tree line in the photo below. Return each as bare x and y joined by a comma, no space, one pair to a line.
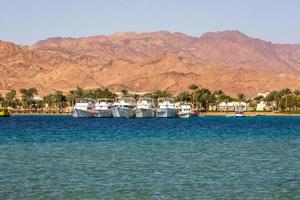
200,97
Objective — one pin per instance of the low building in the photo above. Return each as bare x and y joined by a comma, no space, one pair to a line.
261,106
38,98
263,94
232,106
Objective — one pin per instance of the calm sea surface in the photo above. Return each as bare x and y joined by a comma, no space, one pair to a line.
59,157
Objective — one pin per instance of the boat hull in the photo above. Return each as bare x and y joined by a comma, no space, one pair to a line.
166,113
103,113
122,113
4,114
144,113
185,115
78,113
235,115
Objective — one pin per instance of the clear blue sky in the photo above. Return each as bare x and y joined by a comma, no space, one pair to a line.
27,21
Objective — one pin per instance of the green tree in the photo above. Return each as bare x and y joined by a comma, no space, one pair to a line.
136,96
241,98
79,92
273,97
71,97
11,97
1,100
203,97
60,99
297,92
50,100
27,96
285,93
219,94
259,98
193,87
160,94
183,96
124,92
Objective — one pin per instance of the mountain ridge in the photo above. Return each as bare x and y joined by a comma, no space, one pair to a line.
228,60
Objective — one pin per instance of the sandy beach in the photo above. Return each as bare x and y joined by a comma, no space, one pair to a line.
253,113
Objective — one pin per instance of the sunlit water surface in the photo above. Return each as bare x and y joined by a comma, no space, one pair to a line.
59,157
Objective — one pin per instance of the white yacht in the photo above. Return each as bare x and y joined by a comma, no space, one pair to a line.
166,108
145,108
185,110
83,108
124,107
103,108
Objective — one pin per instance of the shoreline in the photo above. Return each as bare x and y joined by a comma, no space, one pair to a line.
253,114
20,114
204,114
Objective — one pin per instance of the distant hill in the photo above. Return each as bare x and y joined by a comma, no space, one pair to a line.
227,60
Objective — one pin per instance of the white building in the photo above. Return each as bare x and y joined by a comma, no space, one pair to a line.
37,98
232,106
263,94
261,106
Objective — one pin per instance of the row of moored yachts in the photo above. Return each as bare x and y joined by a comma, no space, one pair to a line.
129,108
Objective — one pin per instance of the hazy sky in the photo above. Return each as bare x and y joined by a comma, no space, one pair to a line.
27,21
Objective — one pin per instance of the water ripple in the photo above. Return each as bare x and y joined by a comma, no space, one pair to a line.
58,157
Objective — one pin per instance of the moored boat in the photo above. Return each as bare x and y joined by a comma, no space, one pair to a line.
239,112
4,112
166,108
103,108
145,108
185,110
83,108
124,108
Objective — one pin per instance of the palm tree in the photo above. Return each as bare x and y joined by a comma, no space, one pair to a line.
50,100
79,92
184,96
285,93
203,96
241,97
60,99
159,93
193,87
218,95
10,97
297,92
27,96
136,96
271,98
258,98
71,97
124,92
1,100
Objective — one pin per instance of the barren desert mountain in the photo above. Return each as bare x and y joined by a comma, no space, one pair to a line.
227,60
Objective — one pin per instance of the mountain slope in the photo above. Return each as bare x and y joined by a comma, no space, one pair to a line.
226,60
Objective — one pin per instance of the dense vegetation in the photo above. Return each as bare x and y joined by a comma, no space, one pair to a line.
282,100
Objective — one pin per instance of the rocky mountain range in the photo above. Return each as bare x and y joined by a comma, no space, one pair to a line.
228,60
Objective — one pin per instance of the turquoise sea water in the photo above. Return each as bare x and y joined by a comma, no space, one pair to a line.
59,157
